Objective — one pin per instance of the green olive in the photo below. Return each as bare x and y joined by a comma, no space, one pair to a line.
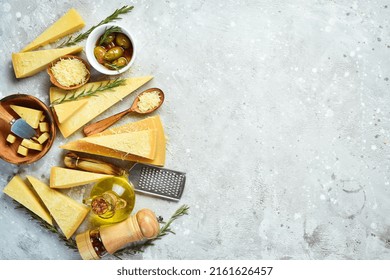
120,62
114,53
110,38
99,53
122,40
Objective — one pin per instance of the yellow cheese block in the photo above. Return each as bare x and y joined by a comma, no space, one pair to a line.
31,116
96,104
66,178
140,143
148,123
67,24
27,64
22,193
67,213
65,110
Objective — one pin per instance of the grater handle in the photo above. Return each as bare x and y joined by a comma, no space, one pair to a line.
72,160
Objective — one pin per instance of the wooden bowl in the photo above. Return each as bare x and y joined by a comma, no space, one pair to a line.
8,152
54,80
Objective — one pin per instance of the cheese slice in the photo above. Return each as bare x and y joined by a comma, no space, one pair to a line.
67,213
65,110
31,116
22,193
67,24
140,143
148,123
66,178
27,64
96,104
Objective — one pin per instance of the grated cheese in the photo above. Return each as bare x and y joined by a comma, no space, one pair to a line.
148,101
70,72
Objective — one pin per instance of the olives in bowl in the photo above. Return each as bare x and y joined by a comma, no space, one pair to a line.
110,49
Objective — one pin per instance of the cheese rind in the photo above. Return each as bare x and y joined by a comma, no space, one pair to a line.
22,193
67,24
65,110
62,178
27,64
96,104
148,123
31,116
67,213
139,143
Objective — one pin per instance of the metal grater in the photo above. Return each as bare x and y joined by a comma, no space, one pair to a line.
157,181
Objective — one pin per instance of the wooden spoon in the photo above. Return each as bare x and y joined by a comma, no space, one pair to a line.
107,122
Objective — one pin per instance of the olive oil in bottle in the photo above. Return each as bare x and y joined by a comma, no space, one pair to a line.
112,200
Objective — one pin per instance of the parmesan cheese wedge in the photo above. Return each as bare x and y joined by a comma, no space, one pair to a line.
66,178
67,24
22,193
31,116
27,64
139,143
67,213
96,104
65,110
153,123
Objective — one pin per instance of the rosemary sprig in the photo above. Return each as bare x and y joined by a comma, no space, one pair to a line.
70,243
164,230
108,32
114,16
74,95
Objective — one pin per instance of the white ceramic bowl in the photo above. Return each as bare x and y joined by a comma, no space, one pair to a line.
91,43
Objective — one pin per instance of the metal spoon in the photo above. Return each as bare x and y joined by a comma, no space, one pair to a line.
107,122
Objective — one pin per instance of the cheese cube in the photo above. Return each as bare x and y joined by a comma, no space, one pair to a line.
42,118
22,150
31,145
11,138
43,138
43,126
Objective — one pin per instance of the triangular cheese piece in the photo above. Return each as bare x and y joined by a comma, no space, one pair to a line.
31,116
148,123
96,104
27,64
67,213
22,193
67,24
139,143
65,110
62,178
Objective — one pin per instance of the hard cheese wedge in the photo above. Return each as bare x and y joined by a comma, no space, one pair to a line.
65,110
148,123
67,24
96,104
27,64
31,116
140,143
68,213
22,193
67,178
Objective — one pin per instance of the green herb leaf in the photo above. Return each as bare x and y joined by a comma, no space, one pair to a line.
81,37
108,32
75,95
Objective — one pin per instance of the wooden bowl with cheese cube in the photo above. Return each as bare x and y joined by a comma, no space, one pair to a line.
16,150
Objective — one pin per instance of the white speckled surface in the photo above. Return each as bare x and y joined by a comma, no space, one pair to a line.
277,110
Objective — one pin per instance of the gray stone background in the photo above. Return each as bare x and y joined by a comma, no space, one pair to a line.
277,110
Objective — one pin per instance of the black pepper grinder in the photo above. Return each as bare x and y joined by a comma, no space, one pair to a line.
94,244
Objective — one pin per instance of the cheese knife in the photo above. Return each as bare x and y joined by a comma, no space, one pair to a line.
18,126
